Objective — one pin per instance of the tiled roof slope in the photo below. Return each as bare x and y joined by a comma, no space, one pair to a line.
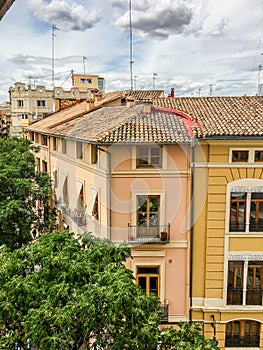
221,116
121,124
70,113
142,95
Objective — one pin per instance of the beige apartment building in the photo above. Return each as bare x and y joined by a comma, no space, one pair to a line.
31,104
123,173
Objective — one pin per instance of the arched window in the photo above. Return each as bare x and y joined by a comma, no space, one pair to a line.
242,333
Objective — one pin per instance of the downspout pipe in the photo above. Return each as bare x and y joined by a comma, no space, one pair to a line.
192,231
109,188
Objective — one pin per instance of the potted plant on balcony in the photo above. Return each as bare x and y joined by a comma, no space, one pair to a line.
164,236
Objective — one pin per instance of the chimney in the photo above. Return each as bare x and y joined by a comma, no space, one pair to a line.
130,101
172,93
147,107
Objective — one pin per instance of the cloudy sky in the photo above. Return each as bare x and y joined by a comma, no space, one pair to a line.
198,47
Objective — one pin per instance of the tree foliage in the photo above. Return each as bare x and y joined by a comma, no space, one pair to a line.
185,337
24,194
63,293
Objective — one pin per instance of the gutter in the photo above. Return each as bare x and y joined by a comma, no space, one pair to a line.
192,232
109,189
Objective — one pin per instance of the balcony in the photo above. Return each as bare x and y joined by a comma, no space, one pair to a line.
148,234
234,296
237,226
254,296
256,226
164,308
77,215
246,341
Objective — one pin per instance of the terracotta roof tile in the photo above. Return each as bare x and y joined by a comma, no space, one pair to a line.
121,124
221,116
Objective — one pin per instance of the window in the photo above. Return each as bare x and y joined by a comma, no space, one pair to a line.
38,164
80,201
64,146
41,103
20,103
54,143
148,215
93,204
95,209
148,278
235,283
24,116
149,156
79,150
258,156
93,154
240,219
246,291
242,333
240,156
44,140
65,191
238,211
86,81
55,178
44,166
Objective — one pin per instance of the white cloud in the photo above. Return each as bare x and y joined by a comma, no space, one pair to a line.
67,15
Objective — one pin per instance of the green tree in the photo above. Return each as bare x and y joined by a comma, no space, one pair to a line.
186,337
60,293
24,194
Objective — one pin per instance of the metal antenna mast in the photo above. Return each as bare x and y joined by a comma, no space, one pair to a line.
131,60
53,54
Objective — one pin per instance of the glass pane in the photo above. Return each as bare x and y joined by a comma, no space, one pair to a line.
142,283
155,151
148,270
154,285
257,195
154,220
143,151
142,204
258,156
142,219
154,204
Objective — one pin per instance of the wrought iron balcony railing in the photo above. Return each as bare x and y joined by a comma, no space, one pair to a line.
246,341
148,234
256,226
254,296
234,296
237,226
164,308
77,215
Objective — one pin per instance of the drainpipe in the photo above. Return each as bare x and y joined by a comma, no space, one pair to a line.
192,231
109,187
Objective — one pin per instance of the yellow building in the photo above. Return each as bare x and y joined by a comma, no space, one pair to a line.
227,231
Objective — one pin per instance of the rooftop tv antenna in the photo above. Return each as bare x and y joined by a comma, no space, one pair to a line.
131,59
54,28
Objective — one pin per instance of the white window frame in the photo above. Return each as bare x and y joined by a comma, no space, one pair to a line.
245,260
247,186
251,154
